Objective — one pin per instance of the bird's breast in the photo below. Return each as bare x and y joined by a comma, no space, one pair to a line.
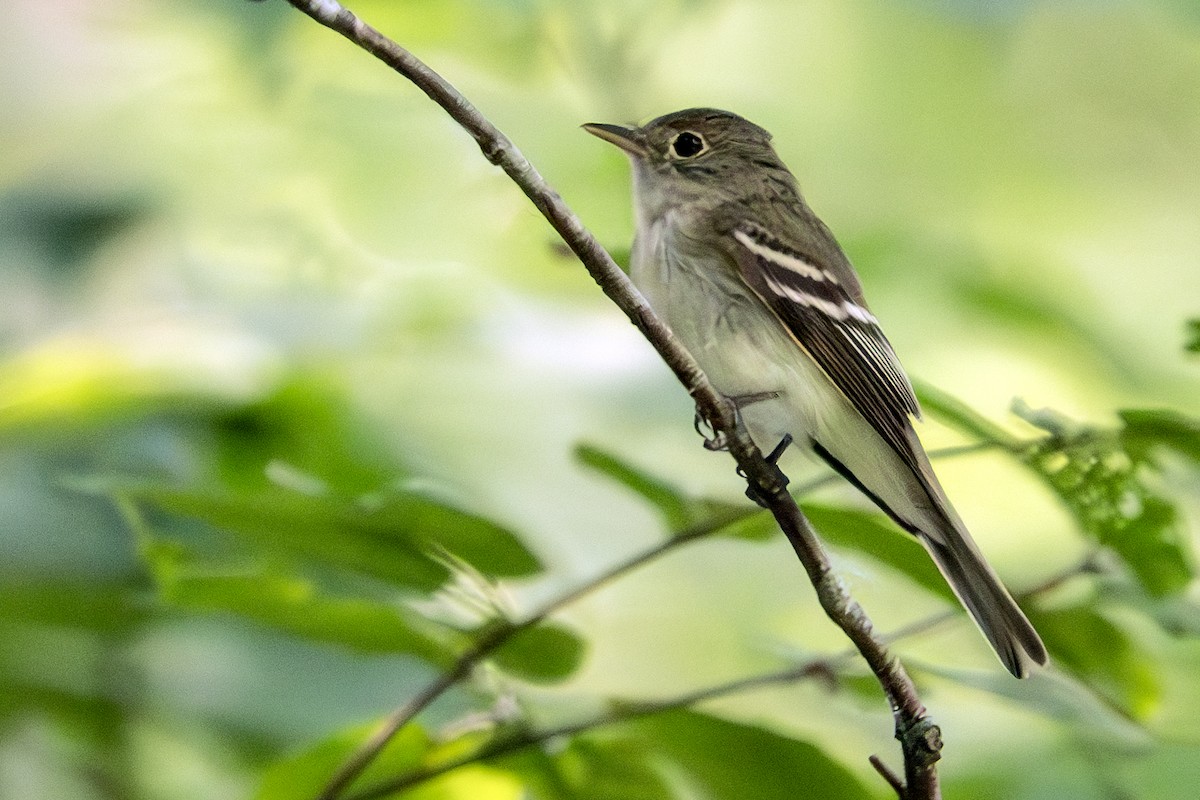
741,346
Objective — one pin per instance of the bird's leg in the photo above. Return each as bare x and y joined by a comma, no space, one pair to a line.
771,458
774,456
718,440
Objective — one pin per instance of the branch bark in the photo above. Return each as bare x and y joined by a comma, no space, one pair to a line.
919,737
823,669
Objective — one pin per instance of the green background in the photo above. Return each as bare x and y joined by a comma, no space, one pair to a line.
253,282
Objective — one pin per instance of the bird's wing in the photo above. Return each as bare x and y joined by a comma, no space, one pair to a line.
822,308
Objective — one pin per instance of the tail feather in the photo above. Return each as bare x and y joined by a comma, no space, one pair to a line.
989,603
920,507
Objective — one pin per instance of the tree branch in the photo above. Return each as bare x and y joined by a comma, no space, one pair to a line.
625,712
817,668
919,737
496,635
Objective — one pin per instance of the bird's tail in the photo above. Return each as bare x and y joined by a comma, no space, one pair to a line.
989,603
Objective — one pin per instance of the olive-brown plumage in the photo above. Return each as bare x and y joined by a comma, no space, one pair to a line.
761,294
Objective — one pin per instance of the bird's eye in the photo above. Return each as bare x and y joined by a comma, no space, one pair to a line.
688,144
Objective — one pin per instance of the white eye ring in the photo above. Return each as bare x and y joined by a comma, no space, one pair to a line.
687,144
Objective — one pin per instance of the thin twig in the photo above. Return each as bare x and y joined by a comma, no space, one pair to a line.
886,773
918,736
495,636
815,668
624,712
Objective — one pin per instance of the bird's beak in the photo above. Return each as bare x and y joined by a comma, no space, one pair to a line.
628,139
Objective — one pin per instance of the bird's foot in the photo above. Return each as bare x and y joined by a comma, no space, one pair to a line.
772,460
718,441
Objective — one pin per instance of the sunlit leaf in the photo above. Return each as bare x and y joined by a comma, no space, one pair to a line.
726,760
1146,429
1098,474
302,775
1102,486
472,782
70,382
545,653
958,414
592,768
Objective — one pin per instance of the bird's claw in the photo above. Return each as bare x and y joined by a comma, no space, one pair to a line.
717,442
772,459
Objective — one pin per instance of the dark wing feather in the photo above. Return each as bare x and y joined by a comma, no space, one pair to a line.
829,321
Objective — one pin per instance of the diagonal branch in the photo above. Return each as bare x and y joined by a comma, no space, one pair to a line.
497,635
820,669
919,737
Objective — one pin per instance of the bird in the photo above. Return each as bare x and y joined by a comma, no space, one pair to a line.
755,286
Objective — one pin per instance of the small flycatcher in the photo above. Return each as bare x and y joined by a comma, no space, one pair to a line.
760,293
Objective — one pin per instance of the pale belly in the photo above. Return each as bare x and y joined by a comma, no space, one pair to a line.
742,350
745,351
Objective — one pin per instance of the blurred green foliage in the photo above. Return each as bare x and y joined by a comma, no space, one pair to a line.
293,386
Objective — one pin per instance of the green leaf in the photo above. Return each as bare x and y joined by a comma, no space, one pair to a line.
101,607
677,509
1146,429
328,531
301,776
398,540
299,607
1153,544
1103,486
488,547
878,538
304,426
594,767
61,229
959,415
755,526
1055,693
1101,655
1096,473
1193,336
473,782
545,653
726,760
88,715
